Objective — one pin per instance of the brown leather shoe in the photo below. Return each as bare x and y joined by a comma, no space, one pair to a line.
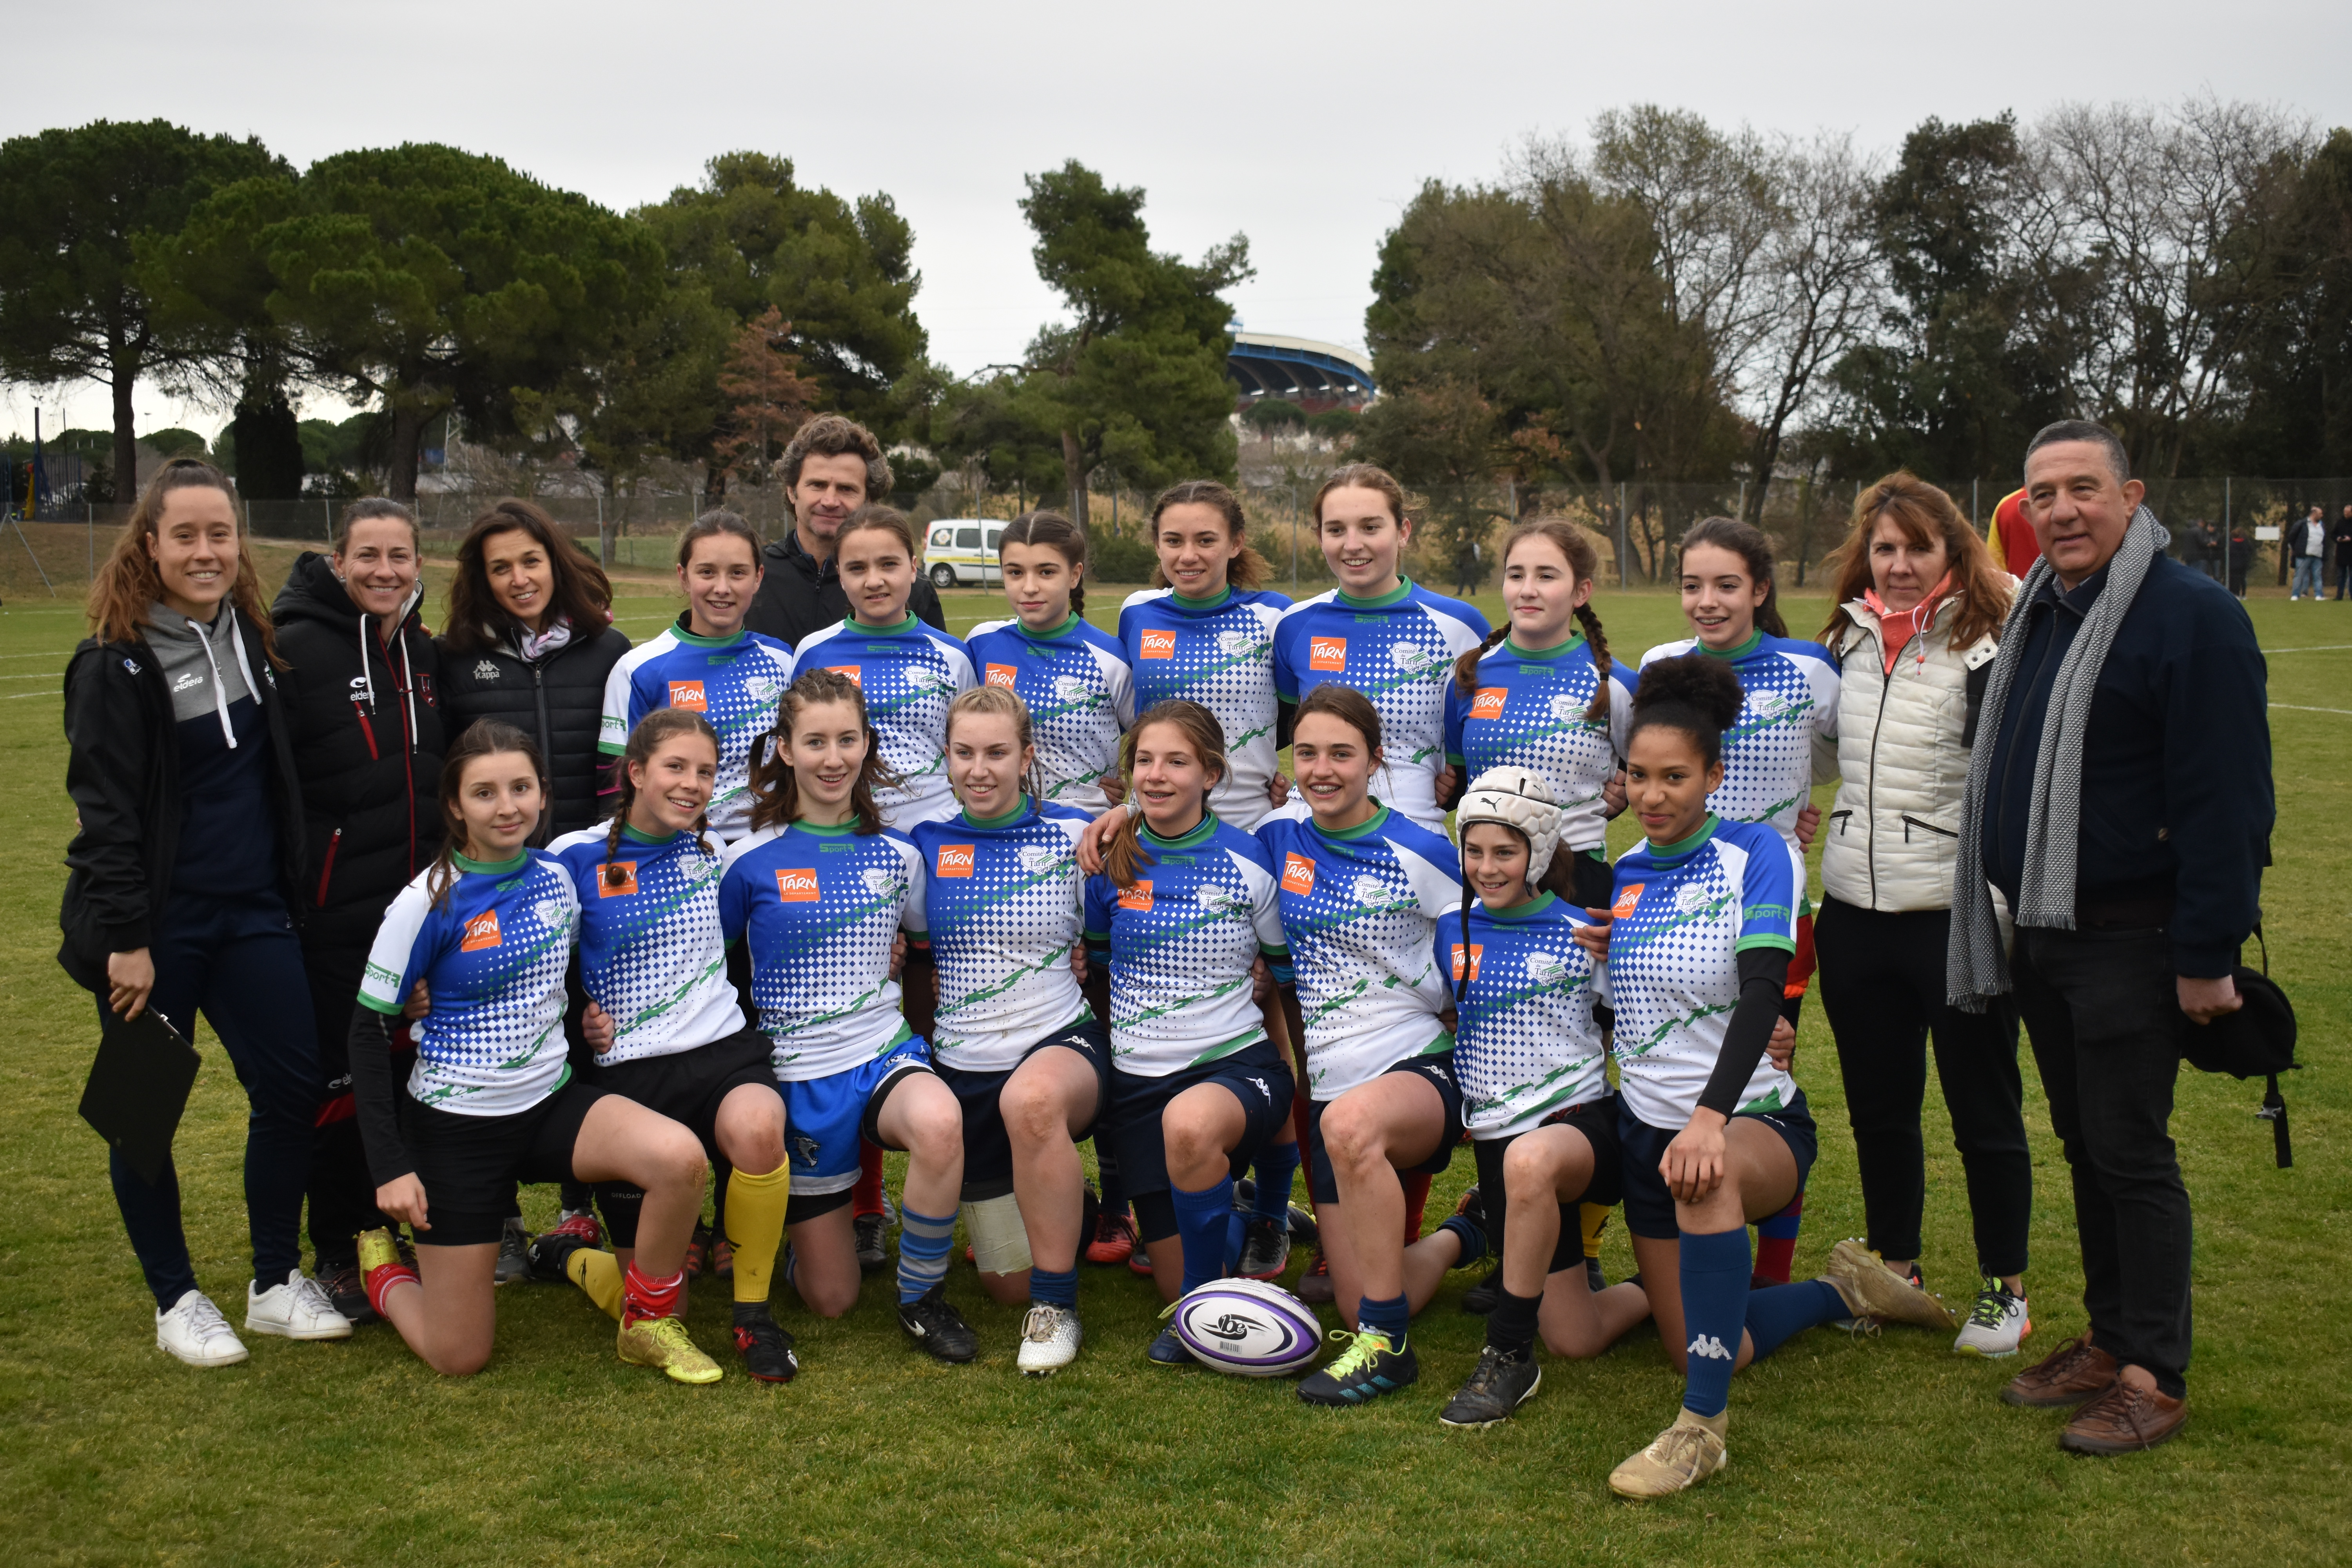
2067,1376
2124,1420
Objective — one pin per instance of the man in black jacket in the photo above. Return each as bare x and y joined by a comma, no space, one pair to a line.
833,466
2152,803
2342,540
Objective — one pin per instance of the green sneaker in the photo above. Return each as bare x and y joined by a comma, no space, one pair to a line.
1371,1365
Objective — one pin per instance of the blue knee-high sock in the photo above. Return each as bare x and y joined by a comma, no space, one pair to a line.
1053,1287
1776,1313
1277,1166
1204,1222
922,1251
1714,1310
1392,1317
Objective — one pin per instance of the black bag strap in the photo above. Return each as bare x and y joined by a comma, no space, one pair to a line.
2274,1112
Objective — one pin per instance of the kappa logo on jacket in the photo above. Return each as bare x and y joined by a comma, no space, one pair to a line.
486,671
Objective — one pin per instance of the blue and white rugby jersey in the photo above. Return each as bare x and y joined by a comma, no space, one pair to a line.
1768,756
493,957
1080,694
910,674
1181,944
820,906
1526,1045
1398,650
1684,912
734,683
650,953
1000,914
1527,709
1360,908
1221,656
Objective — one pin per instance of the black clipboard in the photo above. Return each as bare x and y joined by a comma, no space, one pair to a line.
138,1090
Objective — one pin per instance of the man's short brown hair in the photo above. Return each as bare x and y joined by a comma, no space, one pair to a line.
831,436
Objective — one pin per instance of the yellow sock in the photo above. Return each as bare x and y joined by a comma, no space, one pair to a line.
1594,1219
755,1227
598,1273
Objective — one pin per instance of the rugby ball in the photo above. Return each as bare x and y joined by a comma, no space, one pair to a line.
1247,1327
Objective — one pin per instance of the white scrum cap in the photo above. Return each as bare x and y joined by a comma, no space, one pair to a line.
1520,800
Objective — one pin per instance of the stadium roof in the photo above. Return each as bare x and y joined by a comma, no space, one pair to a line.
1270,366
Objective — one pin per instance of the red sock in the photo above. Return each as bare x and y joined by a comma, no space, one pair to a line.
644,1296
1416,1203
383,1277
866,1198
1776,1243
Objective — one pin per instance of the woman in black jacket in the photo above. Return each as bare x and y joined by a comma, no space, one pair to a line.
180,768
363,701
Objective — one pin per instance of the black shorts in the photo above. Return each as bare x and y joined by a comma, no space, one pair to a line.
987,1148
469,1165
1323,1185
1650,1207
1256,1075
686,1087
1597,1120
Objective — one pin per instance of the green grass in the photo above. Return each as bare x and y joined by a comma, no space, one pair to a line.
1887,1450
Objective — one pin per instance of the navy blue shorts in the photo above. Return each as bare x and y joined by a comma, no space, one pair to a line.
1650,1207
1597,1120
987,1148
469,1165
1256,1075
1323,1185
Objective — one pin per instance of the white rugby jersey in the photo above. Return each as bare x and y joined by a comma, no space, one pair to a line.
1527,1045
999,911
1684,912
1080,696
910,673
734,683
821,907
1221,656
1791,702
1527,709
650,951
1359,911
493,958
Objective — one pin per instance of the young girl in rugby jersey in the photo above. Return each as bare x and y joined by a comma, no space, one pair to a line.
1713,1134
1362,886
1016,1038
909,671
709,664
818,892
1534,1092
1074,677
665,1024
1382,633
491,1102
1178,920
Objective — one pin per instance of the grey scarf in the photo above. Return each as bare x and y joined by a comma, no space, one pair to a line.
1974,969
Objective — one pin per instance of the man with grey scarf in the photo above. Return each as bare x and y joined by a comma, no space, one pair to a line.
2119,797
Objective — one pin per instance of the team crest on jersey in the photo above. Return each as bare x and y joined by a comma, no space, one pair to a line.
1767,704
1214,899
1297,875
689,695
1488,702
1565,710
1159,645
1002,675
1235,644
797,884
616,878
1137,898
1628,898
955,859
481,932
763,690
1070,688
1546,971
1410,656
923,678
854,672
1688,898
1372,893
553,914
883,882
484,670
1477,950
1037,859
1327,653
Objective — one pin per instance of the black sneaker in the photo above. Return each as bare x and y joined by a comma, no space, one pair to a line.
1169,1350
766,1349
1496,1386
1304,1231
1265,1249
932,1323
870,1228
348,1290
1593,1278
1370,1366
1480,1298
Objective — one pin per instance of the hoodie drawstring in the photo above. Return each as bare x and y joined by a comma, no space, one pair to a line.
220,690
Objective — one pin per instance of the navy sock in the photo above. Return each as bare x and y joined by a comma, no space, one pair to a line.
1053,1287
1392,1317
1784,1309
1511,1326
1203,1221
1714,1310
1277,1166
1474,1240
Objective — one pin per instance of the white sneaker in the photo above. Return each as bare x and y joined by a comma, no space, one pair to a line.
1996,1325
194,1331
1049,1340
297,1309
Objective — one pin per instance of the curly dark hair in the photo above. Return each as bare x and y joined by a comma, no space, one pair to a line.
831,436
1698,694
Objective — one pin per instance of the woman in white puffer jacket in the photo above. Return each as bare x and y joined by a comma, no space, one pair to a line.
1920,603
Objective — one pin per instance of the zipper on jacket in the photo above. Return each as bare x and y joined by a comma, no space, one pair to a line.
1870,796
546,753
1910,822
327,867
367,729
1843,819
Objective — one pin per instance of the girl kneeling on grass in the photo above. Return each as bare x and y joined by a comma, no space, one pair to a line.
1177,920
1713,1134
663,1020
491,1102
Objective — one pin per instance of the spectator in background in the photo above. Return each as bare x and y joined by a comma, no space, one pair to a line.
2201,547
2343,538
2308,540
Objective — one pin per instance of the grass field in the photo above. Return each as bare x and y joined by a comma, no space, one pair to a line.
1862,1451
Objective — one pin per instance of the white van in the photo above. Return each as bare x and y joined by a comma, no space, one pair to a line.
962,551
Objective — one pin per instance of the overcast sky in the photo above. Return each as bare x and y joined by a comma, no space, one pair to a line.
1305,127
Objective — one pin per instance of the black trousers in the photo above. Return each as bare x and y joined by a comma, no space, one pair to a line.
2106,1018
341,1191
1883,988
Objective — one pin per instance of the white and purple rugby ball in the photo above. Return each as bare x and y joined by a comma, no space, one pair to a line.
1247,1327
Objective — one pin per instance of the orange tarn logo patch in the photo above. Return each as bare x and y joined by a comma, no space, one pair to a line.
1627,897
616,878
1159,644
1488,702
481,932
1477,949
687,694
1327,653
797,886
1298,874
1137,898
955,859
851,670
1002,675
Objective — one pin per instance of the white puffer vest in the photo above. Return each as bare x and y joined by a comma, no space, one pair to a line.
1889,841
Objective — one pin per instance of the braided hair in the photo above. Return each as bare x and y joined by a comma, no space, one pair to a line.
1575,546
661,724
